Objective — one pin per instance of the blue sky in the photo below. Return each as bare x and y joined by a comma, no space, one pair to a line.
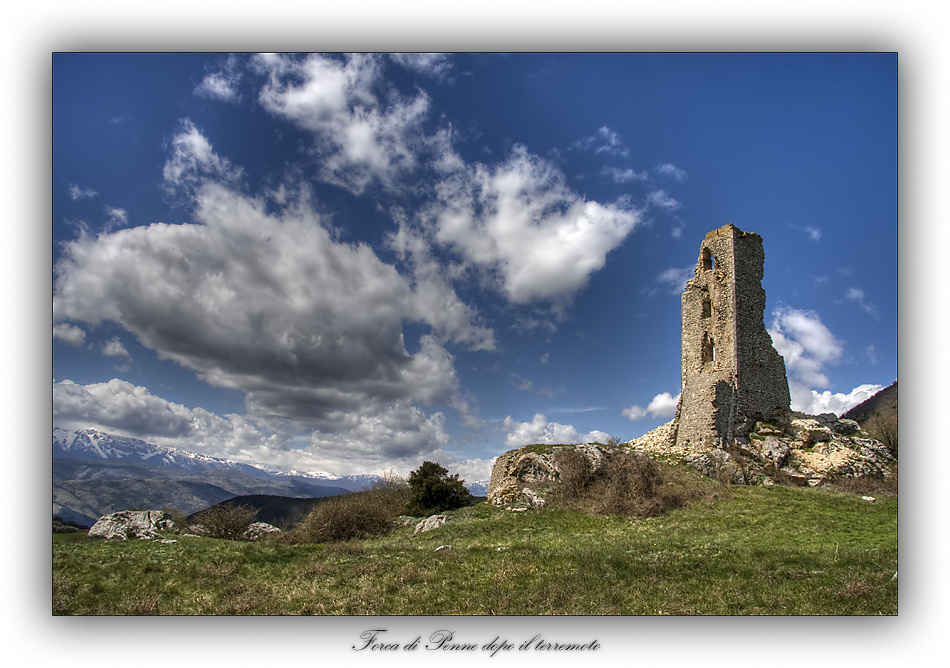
356,263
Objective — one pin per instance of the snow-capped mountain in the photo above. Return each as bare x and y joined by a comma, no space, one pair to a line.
93,445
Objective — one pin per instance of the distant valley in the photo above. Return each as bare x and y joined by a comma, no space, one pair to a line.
95,473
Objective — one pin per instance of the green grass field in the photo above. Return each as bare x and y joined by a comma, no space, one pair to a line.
750,550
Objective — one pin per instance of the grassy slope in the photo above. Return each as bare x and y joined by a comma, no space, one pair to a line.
752,551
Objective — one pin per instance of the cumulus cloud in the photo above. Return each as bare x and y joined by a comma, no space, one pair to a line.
398,436
815,403
662,405
539,430
264,300
806,344
114,348
634,413
360,138
119,407
193,161
222,85
521,225
116,217
809,347
70,334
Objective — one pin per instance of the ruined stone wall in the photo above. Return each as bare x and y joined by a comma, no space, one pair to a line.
730,371
761,380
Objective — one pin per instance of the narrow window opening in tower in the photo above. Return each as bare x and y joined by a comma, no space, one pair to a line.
707,307
707,260
709,349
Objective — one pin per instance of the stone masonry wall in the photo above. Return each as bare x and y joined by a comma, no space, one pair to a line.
731,373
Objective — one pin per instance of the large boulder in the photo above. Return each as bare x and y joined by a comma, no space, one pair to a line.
125,524
520,478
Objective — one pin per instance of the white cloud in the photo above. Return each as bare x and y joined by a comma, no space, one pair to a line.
266,301
76,193
70,334
671,171
114,348
815,403
857,296
675,278
539,430
806,344
193,161
662,200
222,85
634,413
119,407
625,175
117,217
662,405
809,348
813,232
522,226
360,138
398,437
604,140
435,65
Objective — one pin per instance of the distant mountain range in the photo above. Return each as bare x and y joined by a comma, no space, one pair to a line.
95,473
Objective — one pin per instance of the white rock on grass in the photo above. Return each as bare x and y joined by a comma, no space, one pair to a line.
430,523
124,524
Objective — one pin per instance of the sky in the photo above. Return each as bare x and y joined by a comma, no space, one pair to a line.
355,263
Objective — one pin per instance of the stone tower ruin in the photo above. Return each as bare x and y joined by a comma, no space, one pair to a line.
732,375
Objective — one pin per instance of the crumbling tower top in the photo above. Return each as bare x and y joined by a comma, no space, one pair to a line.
731,374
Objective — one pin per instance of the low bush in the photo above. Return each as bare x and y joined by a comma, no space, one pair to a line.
366,514
627,483
178,517
225,521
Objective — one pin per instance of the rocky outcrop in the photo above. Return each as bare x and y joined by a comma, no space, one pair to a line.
794,449
125,524
521,478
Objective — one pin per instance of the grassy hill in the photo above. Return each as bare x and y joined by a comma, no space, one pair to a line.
739,550
878,416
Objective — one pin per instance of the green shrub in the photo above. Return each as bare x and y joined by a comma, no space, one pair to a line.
178,517
366,514
226,521
627,483
432,490
882,426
